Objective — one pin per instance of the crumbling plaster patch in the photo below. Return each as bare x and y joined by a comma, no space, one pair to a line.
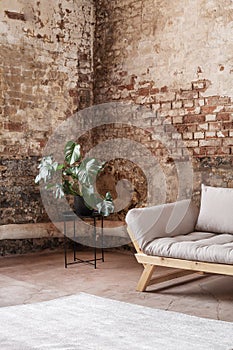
177,42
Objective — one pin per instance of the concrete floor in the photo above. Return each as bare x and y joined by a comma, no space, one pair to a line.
38,277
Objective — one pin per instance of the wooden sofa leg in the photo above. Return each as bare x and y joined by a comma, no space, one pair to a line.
145,277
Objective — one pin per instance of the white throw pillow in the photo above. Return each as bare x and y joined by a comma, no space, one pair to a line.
216,212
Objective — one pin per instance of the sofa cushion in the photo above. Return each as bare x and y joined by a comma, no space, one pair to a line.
216,211
165,220
197,246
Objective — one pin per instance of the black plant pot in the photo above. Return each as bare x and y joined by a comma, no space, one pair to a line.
80,207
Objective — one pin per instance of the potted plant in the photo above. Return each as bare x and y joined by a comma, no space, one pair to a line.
78,179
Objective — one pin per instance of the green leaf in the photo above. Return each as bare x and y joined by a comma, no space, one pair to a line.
93,200
105,207
58,192
70,188
108,196
72,152
88,170
46,169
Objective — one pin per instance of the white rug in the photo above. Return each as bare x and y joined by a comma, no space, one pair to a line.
86,322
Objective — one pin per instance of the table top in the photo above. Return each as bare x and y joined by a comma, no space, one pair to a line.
71,215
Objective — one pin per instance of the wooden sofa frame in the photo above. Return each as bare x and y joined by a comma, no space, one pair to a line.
186,267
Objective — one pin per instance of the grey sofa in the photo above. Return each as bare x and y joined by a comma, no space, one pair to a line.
181,236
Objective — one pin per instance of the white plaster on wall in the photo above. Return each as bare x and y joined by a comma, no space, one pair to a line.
188,39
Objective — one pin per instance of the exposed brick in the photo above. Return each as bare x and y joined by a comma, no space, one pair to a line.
177,104
222,133
13,126
188,103
215,126
210,143
142,91
194,118
186,128
165,97
187,135
54,66
166,105
15,15
178,120
187,95
228,108
227,142
176,136
199,102
227,125
192,110
223,116
191,143
199,151
199,85
41,86
203,126
210,134
199,135
217,100
208,109
210,117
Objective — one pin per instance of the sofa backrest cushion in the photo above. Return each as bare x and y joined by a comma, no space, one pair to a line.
216,211
167,220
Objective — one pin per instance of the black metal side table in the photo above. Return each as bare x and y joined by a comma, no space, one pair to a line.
71,216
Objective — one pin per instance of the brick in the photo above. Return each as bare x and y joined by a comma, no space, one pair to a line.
210,143
165,97
177,120
210,151
198,85
12,126
222,134
210,134
215,126
210,117
193,110
142,92
177,104
203,126
166,106
187,95
199,135
186,128
194,119
227,125
187,135
174,113
188,103
219,109
191,143
224,116
217,100
222,151
176,136
199,151
228,108
208,109
199,102
227,142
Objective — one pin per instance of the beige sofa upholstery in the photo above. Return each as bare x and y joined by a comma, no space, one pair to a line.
171,234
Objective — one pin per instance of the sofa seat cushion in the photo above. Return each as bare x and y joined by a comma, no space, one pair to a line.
197,246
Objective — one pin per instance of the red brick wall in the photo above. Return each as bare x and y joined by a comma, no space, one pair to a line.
172,58
46,75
